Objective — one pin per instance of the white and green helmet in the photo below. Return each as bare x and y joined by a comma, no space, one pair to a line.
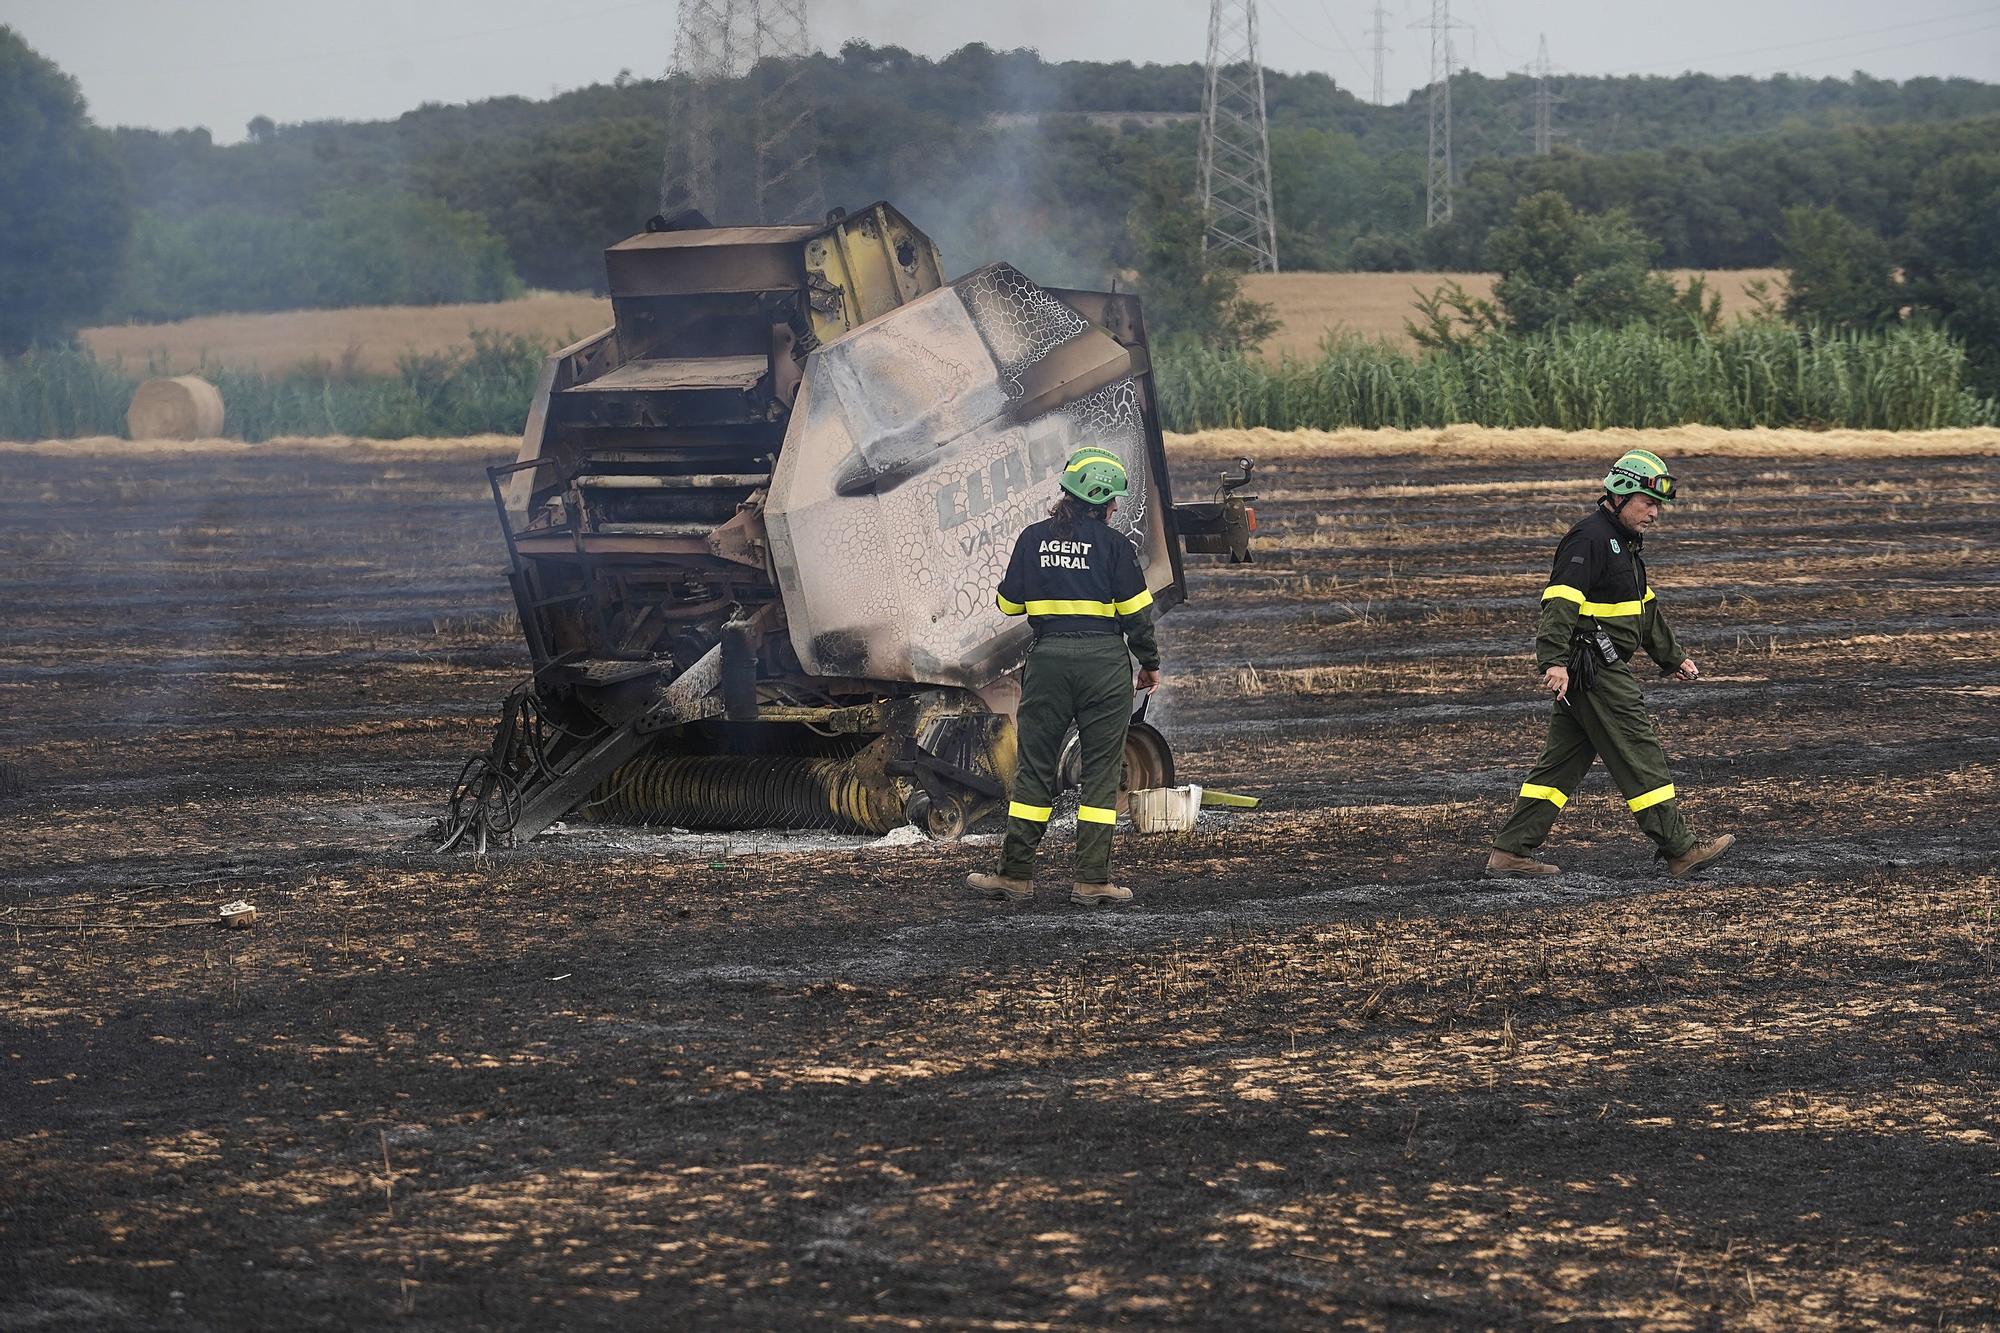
1094,475
1641,472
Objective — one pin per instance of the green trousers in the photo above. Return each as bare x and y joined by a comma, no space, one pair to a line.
1087,680
1609,720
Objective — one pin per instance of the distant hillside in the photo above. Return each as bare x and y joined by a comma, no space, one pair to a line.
1000,154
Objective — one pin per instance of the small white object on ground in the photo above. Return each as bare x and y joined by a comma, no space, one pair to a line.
1165,809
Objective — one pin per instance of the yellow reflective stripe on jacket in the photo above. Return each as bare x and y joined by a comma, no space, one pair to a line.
1651,798
1132,604
1600,609
1008,608
1058,608
1037,813
1095,814
1534,791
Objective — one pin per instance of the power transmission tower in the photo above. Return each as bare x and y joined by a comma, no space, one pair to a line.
706,45
718,41
789,185
1380,32
1544,100
1235,163
1438,177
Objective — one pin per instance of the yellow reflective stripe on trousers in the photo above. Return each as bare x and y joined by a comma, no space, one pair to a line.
1132,604
1598,609
1534,791
1651,798
1038,814
1095,814
1008,608
1106,609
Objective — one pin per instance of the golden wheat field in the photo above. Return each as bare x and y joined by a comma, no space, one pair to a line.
363,340
367,340
1376,305
1492,443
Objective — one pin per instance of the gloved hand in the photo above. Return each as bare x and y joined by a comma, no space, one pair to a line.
1584,660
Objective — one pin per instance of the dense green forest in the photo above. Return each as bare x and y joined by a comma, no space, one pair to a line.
1707,164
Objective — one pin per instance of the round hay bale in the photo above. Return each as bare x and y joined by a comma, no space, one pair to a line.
185,407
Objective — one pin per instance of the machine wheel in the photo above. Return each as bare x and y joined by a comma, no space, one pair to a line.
1149,762
945,821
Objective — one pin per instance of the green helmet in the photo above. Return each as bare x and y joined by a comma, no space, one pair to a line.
1094,476
1639,472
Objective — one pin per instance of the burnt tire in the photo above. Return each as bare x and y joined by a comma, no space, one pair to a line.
1149,762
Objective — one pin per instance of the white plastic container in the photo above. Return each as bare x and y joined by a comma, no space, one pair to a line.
1165,809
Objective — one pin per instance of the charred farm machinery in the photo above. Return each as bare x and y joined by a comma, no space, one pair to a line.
756,525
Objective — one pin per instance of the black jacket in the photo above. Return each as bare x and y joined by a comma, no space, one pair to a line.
1599,582
1083,579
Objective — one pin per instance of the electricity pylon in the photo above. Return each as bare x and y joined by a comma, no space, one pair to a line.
789,185
1380,32
1438,176
722,40
1544,101
1235,162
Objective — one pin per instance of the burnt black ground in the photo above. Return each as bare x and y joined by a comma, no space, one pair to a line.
1321,1074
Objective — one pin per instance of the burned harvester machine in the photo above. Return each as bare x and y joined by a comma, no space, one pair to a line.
756,525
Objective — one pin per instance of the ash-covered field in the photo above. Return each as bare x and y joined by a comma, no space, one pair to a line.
1319,1075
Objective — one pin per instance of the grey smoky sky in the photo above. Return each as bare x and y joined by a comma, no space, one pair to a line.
218,63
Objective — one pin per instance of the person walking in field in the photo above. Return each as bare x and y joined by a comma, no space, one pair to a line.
1078,582
1597,612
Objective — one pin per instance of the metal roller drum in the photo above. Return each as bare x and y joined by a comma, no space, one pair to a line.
745,791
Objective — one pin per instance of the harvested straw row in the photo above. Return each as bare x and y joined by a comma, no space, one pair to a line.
1535,442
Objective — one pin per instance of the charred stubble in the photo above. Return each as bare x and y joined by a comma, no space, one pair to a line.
1321,1074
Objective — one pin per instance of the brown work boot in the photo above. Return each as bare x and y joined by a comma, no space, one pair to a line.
999,886
1701,854
1097,895
1506,865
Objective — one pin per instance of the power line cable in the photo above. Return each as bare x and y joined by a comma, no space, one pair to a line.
1313,41
1875,50
1492,31
1346,45
1710,56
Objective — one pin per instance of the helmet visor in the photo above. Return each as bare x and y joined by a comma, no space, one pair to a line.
1661,486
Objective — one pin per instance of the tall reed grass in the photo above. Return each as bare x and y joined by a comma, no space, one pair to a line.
56,393
1750,374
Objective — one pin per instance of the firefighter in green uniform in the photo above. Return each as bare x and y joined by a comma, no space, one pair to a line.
1597,612
1078,582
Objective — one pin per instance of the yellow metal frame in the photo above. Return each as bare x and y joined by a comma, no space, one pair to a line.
856,269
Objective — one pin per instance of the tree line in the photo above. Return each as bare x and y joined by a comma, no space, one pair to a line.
471,202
